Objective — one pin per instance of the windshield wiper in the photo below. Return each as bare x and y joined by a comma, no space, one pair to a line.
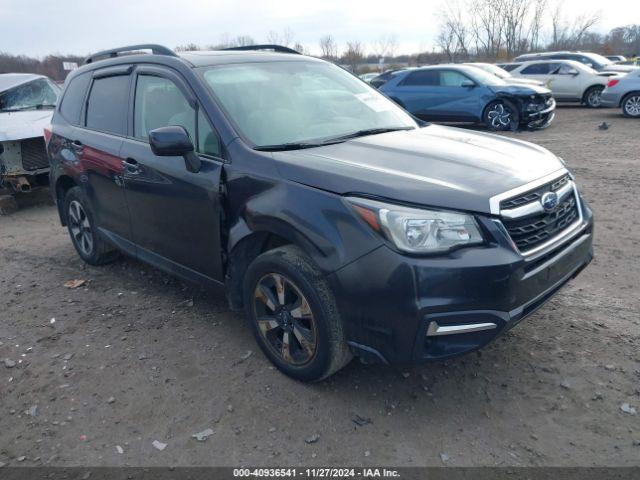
39,106
287,146
329,141
363,133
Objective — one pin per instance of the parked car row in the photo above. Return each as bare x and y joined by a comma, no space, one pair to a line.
505,96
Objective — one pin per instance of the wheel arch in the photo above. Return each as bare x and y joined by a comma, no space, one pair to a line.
63,184
586,90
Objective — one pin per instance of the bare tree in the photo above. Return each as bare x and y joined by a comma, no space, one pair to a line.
353,55
453,35
285,38
385,46
328,48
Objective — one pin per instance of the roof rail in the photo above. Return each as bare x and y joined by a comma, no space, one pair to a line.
112,53
275,48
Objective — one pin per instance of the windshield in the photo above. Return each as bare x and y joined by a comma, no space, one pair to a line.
40,93
599,59
497,71
295,102
484,78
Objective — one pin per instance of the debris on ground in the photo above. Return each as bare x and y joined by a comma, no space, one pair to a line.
119,449
74,283
626,408
313,438
32,412
565,384
111,400
21,459
603,126
159,445
203,435
361,421
9,363
185,304
444,457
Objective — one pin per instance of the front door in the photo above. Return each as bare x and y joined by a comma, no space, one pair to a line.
175,214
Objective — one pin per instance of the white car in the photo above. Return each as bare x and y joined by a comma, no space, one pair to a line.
504,75
570,81
26,106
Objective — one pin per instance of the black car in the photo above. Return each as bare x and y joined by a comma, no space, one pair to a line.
339,224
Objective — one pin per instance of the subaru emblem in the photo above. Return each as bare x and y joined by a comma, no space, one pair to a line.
549,201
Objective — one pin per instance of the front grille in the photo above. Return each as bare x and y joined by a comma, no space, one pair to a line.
34,154
534,195
530,231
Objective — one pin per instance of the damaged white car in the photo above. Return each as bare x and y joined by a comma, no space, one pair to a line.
26,105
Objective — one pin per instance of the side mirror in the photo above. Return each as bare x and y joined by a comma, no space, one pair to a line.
468,84
174,141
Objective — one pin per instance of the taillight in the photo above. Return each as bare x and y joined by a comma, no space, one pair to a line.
47,135
612,83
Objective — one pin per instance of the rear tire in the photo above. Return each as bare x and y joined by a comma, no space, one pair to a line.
631,105
82,229
293,315
501,115
592,96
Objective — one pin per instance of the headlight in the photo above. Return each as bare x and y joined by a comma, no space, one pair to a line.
418,231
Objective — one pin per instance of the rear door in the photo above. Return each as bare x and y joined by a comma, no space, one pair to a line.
417,92
537,71
97,147
175,214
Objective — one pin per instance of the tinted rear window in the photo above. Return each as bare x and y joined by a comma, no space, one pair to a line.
422,78
71,107
107,104
537,69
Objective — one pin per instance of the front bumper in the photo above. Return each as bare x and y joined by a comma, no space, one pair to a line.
610,99
399,309
542,118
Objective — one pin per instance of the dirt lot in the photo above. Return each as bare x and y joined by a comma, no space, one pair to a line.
135,356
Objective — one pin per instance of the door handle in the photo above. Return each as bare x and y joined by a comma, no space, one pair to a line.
131,166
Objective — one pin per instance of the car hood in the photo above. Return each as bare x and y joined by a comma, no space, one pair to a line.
433,166
26,124
521,89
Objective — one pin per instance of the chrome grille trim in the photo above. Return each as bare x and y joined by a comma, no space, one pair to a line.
560,181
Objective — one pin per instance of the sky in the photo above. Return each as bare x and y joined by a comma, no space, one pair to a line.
40,27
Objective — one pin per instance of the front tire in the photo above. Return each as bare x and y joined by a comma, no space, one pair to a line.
293,315
592,96
631,105
82,229
500,116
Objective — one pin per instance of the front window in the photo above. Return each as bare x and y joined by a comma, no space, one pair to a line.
37,94
300,102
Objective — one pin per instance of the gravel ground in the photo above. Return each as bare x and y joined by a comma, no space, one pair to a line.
134,356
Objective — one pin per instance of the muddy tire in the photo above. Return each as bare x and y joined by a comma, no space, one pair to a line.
82,230
293,315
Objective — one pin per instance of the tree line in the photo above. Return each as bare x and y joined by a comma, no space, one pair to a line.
487,30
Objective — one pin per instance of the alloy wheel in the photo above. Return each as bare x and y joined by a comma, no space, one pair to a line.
80,228
632,106
285,320
593,99
499,116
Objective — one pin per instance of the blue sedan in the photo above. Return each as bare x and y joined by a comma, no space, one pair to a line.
462,93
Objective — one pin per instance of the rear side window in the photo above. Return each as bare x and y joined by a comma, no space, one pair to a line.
537,69
107,104
422,78
72,102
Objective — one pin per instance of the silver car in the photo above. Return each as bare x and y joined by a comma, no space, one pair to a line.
623,92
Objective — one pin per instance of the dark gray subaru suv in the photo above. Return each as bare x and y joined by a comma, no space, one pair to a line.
341,225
